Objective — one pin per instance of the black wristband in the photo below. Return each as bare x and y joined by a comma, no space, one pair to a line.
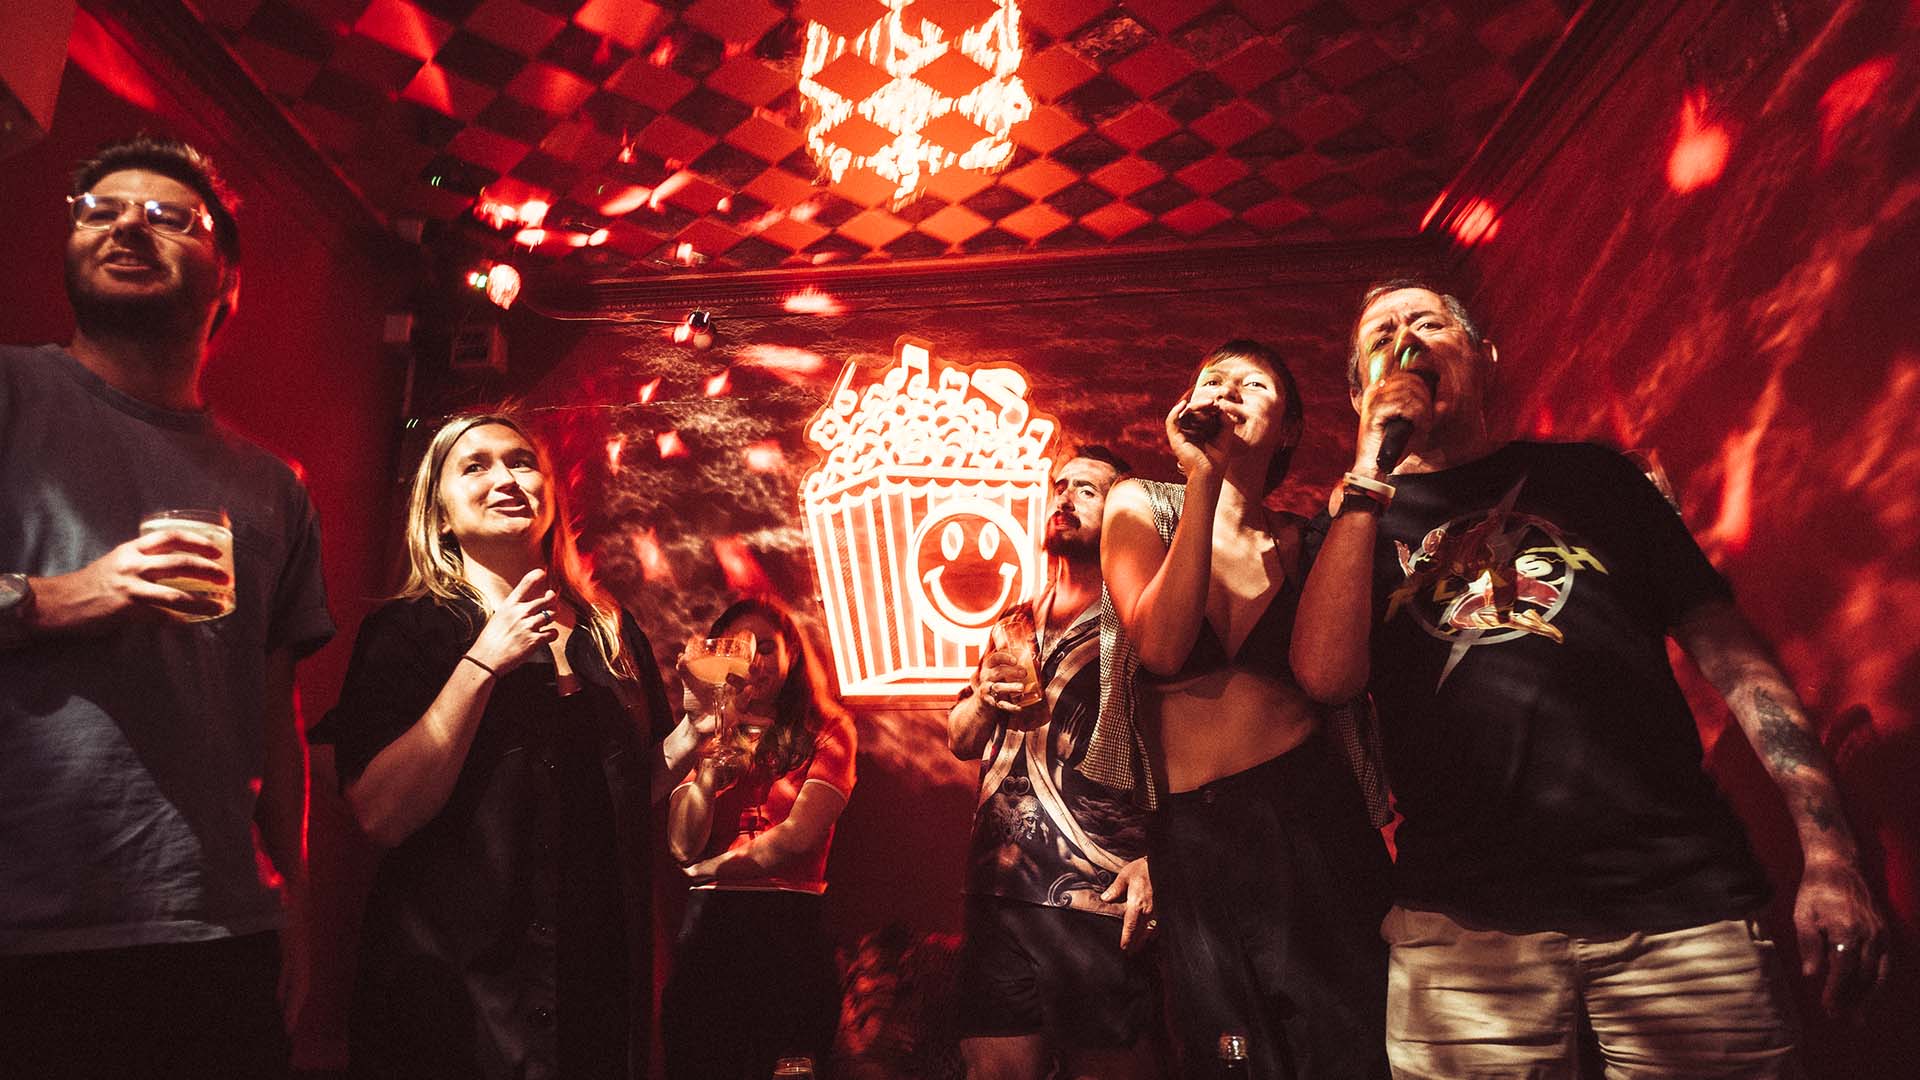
1354,500
468,657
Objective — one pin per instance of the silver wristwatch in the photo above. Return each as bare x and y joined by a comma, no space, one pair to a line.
16,600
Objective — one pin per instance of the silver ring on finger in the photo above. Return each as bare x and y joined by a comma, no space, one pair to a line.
546,614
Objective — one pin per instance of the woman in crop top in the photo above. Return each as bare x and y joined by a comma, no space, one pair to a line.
753,971
1269,880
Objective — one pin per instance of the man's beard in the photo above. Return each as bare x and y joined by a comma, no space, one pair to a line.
153,315
1070,546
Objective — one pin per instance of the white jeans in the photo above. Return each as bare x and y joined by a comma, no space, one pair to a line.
1465,1004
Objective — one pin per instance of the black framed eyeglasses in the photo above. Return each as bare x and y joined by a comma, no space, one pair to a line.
104,211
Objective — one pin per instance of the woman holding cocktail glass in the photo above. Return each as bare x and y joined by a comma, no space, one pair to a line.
497,735
753,972
1269,879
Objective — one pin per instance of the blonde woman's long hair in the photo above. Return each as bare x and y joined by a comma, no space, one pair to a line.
436,568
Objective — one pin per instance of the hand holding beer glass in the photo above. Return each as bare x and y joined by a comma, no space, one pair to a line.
213,599
1010,674
716,668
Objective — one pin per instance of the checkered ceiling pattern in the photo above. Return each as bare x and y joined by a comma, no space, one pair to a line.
679,127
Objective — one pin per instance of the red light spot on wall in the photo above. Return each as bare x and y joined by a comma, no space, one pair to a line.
1844,100
1700,152
718,384
1734,525
785,362
765,456
1543,423
1477,223
100,56
670,444
743,572
654,566
615,447
649,390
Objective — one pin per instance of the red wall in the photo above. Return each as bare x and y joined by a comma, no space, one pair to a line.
1757,330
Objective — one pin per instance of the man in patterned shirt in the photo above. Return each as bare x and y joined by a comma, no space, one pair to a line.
1058,902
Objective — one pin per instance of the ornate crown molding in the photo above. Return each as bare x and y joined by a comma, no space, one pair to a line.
1021,277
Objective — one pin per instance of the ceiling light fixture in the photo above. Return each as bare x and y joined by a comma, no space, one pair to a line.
696,330
930,85
500,281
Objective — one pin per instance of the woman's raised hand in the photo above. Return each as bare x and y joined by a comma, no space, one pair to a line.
522,622
1210,454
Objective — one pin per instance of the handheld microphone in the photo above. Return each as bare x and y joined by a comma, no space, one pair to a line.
1199,424
1395,433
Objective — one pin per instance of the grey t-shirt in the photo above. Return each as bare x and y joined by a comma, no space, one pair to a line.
129,760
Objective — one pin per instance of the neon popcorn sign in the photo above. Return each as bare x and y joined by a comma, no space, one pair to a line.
923,517
924,86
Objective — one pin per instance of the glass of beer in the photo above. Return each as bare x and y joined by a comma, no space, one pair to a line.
213,527
1013,637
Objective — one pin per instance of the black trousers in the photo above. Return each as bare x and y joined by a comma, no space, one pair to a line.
753,981
1270,886
199,1010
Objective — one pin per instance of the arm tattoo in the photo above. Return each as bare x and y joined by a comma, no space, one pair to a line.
1821,813
1786,745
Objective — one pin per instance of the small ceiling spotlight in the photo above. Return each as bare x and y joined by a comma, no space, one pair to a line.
695,330
501,283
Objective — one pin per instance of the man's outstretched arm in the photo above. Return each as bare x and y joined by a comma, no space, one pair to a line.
1843,939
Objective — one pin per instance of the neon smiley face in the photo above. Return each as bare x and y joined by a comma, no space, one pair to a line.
971,558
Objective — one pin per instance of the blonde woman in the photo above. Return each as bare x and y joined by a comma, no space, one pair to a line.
496,734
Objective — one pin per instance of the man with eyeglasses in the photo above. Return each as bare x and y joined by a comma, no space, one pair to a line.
144,734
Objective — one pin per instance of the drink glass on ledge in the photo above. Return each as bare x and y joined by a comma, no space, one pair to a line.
213,527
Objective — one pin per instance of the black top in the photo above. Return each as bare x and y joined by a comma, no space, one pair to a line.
505,937
1263,650
1546,763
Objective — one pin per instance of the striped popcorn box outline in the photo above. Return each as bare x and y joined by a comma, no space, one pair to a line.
927,468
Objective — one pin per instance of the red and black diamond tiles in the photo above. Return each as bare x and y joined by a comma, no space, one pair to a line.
1155,121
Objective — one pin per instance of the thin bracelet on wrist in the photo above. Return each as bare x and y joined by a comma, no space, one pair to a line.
468,657
1380,489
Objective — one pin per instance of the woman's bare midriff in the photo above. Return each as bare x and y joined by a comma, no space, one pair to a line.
1222,723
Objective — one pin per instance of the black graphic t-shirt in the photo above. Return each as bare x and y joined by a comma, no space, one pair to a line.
1043,833
1545,760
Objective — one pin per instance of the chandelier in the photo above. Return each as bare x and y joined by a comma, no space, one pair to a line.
906,88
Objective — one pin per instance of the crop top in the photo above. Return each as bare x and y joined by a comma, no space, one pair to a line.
1264,649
